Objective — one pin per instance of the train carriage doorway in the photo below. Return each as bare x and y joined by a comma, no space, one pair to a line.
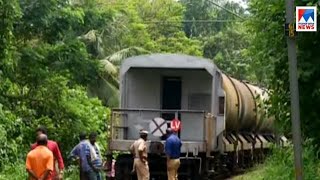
171,96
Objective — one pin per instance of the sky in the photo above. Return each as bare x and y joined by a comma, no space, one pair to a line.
241,2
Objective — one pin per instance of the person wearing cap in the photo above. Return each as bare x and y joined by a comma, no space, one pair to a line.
139,150
172,149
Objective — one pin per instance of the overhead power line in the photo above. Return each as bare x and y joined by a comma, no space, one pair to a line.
194,21
229,11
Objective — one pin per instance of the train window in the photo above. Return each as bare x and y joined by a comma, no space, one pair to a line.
221,105
199,102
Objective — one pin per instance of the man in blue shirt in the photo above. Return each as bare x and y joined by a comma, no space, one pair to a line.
89,157
172,149
94,159
81,157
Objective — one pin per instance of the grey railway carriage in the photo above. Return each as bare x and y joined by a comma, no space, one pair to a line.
224,125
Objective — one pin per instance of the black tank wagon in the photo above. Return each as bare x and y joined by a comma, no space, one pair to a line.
224,123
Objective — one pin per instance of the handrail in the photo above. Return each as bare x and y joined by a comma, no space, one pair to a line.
127,111
158,110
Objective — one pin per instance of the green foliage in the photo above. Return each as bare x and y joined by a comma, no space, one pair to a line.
14,171
199,13
309,87
269,64
9,13
199,10
280,165
154,26
268,51
226,43
57,57
136,27
18,170
228,50
11,136
179,44
44,72
268,42
167,15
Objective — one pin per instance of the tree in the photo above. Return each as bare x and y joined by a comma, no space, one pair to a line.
199,10
10,126
43,74
269,53
227,49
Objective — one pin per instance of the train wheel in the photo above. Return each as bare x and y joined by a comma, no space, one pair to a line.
195,166
123,168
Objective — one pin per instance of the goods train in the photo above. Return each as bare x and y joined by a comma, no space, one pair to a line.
224,124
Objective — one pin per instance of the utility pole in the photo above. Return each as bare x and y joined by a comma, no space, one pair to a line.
294,91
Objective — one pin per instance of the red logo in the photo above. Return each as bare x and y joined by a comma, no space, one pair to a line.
175,125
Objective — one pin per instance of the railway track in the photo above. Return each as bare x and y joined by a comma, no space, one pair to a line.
224,175
227,176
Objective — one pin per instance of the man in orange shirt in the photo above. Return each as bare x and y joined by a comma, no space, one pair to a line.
39,163
57,173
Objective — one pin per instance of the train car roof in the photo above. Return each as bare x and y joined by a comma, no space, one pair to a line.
168,61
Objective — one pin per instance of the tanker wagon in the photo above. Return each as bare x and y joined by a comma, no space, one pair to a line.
224,125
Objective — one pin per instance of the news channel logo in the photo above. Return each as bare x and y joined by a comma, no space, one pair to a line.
306,18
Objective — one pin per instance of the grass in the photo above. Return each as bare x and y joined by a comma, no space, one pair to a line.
256,173
280,166
17,172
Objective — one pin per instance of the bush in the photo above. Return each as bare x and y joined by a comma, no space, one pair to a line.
74,113
11,137
17,171
14,171
280,165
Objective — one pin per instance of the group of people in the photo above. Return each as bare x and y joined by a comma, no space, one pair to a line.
140,153
44,161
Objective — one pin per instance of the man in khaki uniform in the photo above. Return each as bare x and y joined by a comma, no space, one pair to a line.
139,150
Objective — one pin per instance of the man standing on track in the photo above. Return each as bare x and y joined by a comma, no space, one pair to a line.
140,152
173,149
54,148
